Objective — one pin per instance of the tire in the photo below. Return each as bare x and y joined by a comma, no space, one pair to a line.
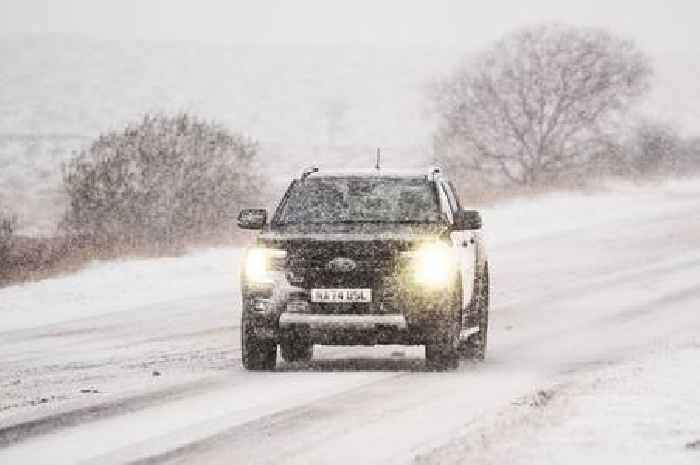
475,346
442,350
297,350
256,354
441,356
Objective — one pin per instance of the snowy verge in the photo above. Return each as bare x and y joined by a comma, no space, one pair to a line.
641,411
559,212
107,287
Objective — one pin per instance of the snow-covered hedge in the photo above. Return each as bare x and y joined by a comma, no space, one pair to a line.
165,180
8,226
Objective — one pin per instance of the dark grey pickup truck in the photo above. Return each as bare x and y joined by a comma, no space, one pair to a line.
365,258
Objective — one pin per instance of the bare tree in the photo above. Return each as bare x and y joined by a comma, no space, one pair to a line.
656,149
538,103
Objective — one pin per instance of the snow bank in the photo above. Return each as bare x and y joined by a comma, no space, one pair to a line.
640,411
528,218
106,287
644,412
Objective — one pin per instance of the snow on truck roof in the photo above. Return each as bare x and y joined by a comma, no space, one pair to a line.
405,173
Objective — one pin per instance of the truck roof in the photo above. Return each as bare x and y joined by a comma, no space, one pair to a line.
406,173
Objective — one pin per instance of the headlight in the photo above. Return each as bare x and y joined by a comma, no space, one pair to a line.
258,263
433,264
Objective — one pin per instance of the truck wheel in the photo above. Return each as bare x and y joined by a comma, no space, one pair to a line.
296,350
441,353
475,346
441,356
257,354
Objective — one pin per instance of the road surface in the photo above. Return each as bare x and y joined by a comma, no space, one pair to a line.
138,361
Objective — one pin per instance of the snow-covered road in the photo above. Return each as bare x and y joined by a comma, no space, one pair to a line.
594,353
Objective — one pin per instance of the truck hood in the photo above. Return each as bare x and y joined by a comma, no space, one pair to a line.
353,232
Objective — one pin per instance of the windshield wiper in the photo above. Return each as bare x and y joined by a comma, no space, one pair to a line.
368,222
364,222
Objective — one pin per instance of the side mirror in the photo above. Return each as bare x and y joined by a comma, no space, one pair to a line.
252,218
468,220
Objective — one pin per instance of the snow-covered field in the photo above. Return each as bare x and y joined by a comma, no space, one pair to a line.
594,356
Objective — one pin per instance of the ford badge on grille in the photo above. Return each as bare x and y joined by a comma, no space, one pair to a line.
342,264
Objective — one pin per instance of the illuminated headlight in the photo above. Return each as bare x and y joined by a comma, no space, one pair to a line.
258,264
433,264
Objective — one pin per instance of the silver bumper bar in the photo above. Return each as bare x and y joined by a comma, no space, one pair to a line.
342,321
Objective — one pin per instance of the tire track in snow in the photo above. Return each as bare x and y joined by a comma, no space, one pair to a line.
23,430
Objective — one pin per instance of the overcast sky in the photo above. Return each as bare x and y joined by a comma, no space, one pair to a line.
658,25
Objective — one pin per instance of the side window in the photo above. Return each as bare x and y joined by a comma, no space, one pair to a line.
453,197
445,205
283,203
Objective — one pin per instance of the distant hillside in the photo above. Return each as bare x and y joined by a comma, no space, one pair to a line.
274,93
306,105
30,177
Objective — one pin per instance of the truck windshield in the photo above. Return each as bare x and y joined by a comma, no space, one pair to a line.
361,200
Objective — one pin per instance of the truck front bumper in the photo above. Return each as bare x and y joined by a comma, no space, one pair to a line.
330,322
345,329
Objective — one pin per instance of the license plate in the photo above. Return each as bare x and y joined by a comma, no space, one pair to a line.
341,295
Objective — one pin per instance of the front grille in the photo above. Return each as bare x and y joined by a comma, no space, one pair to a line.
390,294
368,265
375,268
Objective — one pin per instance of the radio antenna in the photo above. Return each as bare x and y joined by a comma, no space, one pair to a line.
379,155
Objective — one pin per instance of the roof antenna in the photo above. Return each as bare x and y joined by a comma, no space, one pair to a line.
379,155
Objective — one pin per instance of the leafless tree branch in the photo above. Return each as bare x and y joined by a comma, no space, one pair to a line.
529,107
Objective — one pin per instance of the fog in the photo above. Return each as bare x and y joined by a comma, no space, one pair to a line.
660,25
313,82
149,262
